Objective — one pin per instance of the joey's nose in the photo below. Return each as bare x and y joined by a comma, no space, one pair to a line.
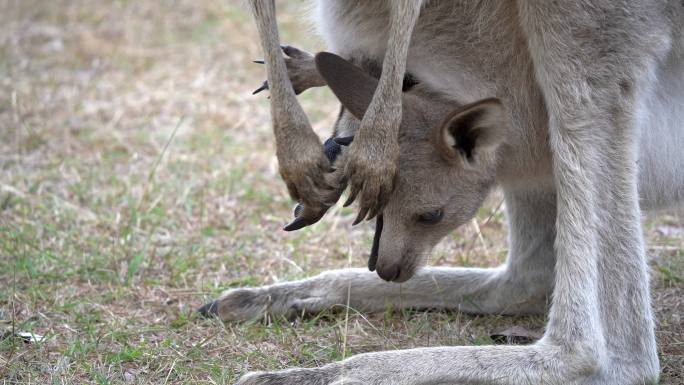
389,273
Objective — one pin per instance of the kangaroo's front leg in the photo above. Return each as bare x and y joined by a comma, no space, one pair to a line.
372,161
302,163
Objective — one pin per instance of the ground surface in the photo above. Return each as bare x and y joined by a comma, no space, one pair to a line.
138,181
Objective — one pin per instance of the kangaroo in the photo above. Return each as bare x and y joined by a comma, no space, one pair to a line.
583,127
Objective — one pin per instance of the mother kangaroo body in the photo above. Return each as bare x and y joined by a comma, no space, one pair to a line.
585,125
475,50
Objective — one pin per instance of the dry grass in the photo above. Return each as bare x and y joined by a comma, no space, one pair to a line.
139,181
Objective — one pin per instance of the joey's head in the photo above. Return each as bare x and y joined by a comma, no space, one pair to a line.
447,165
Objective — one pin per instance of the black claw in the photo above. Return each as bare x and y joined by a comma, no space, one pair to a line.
344,141
261,88
209,310
258,62
296,224
360,217
372,214
376,209
349,200
352,196
358,220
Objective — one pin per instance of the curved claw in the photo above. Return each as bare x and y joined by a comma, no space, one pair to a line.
352,196
354,190
304,217
361,216
296,224
373,212
376,210
264,86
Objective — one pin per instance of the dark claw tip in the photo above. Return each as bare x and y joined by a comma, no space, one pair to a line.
261,88
258,62
344,141
296,224
349,201
209,310
358,220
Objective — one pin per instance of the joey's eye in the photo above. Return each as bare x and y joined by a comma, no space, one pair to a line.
431,217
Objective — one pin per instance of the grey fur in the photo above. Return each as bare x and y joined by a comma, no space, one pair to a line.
593,93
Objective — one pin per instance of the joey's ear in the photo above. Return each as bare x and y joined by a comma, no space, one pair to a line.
473,132
353,87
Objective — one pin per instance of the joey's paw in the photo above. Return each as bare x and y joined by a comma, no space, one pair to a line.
370,173
301,69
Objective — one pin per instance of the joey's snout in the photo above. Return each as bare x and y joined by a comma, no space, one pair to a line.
389,257
394,271
389,272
